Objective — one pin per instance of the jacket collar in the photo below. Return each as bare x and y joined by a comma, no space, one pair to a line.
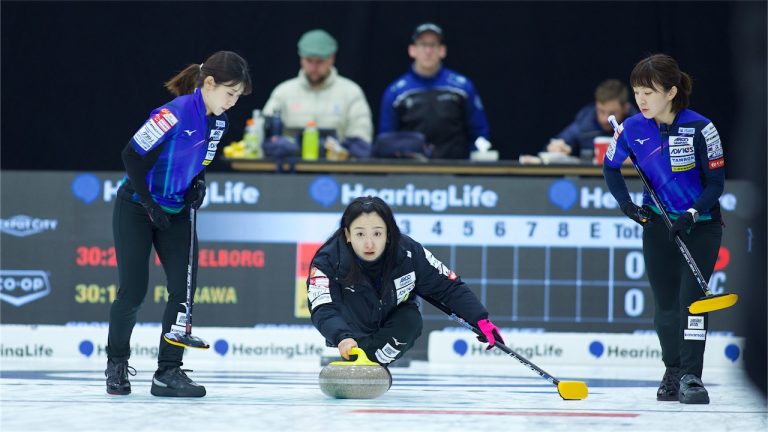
197,97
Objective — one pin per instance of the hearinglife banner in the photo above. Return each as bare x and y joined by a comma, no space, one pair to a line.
546,253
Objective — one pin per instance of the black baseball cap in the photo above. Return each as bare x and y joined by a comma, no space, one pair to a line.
427,27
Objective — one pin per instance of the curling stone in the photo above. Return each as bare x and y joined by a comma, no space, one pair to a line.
358,379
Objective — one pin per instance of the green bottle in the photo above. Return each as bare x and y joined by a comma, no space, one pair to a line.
310,142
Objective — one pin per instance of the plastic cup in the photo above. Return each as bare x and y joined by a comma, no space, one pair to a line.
601,146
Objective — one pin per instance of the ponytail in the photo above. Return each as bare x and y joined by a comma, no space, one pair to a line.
683,96
226,67
186,81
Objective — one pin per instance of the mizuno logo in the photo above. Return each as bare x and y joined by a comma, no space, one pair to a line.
158,383
190,132
349,288
398,342
641,141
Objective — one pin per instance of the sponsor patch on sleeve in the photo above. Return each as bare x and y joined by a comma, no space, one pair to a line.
148,135
153,130
319,291
161,122
714,146
611,151
441,268
715,164
168,116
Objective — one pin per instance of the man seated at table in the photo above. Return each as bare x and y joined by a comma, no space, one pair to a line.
320,94
434,101
611,98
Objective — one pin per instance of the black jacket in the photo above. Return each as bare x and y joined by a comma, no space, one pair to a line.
339,312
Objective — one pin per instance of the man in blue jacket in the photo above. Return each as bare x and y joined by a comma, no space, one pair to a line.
611,98
433,100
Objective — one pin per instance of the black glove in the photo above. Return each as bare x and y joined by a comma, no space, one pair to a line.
681,226
158,217
637,214
195,194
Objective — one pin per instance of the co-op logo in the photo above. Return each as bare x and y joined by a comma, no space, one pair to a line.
19,287
325,191
23,225
88,187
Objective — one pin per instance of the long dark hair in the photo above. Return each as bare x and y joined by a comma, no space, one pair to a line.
368,205
662,70
226,67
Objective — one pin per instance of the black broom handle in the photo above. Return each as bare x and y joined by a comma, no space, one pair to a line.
683,248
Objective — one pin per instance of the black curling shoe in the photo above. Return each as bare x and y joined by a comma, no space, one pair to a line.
670,385
692,390
174,382
117,377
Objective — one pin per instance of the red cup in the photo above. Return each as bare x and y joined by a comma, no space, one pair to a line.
601,146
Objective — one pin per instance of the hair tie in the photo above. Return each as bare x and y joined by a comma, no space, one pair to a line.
201,66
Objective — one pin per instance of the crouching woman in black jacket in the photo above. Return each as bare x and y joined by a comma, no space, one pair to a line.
363,283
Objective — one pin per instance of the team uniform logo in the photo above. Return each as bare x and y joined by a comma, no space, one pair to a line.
612,146
404,285
695,330
714,147
386,354
695,334
154,129
215,137
319,291
682,155
441,268
216,134
695,322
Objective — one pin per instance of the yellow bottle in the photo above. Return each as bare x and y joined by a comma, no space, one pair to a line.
310,142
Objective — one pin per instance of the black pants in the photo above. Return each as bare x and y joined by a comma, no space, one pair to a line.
134,237
675,288
395,336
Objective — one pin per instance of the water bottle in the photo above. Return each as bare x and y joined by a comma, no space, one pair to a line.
310,142
251,139
275,124
258,126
